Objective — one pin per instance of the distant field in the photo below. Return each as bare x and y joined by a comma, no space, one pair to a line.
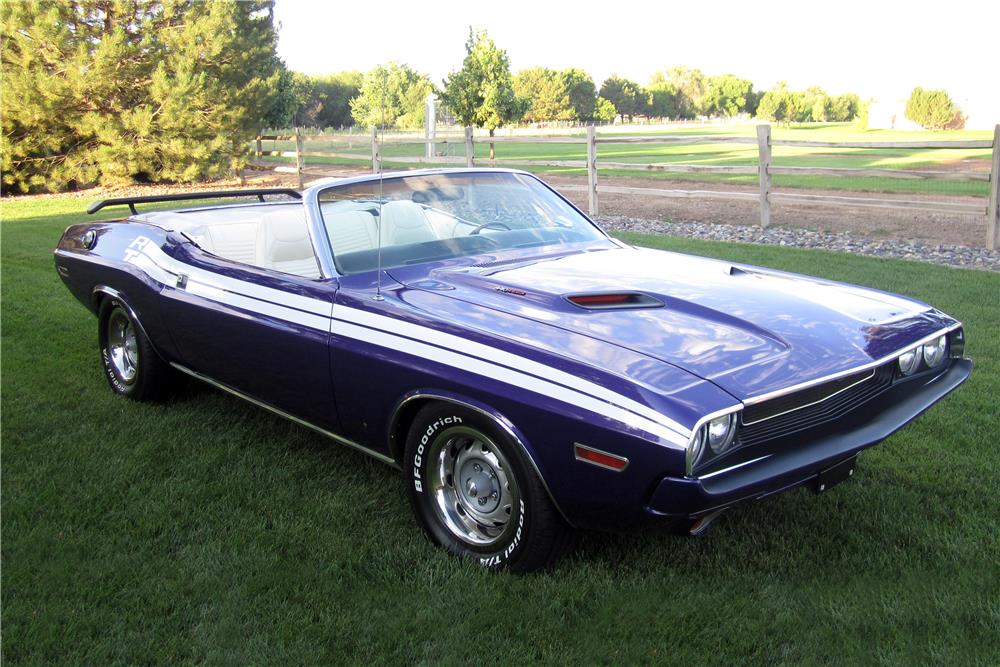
726,154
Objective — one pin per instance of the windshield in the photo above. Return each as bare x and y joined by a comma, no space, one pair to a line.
441,216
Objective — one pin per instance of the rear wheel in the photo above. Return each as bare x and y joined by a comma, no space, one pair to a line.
131,366
475,493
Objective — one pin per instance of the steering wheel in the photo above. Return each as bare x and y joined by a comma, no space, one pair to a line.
486,225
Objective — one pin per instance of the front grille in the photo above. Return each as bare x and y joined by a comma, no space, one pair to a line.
778,418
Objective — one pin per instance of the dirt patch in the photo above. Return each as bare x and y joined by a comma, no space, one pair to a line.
950,228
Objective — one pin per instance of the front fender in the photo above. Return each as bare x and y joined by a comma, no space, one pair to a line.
411,403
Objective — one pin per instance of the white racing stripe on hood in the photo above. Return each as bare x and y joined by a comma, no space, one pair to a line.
453,350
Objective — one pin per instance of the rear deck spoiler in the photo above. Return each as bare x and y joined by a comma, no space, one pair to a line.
216,194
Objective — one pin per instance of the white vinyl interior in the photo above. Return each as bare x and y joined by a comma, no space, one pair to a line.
405,222
283,245
275,236
271,237
351,231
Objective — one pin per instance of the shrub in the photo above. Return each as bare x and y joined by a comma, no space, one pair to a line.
932,109
604,110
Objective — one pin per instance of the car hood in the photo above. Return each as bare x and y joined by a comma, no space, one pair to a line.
746,329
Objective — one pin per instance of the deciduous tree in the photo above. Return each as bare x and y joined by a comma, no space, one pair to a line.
325,101
392,95
481,93
845,107
604,110
777,104
689,84
582,92
626,95
547,94
664,100
726,95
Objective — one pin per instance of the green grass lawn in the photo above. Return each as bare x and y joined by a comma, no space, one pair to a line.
208,531
721,154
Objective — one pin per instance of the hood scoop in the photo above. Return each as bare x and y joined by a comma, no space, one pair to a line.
614,300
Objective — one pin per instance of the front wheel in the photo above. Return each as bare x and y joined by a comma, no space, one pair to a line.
131,365
475,493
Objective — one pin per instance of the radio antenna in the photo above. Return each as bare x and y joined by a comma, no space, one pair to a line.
378,227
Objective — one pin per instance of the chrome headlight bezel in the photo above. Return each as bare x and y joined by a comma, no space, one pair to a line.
700,446
695,448
956,343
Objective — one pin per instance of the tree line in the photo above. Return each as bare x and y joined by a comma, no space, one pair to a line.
541,94
122,91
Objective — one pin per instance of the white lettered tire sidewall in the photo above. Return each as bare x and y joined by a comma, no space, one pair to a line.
118,384
507,550
153,379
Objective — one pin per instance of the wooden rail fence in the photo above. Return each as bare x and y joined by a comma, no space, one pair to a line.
764,169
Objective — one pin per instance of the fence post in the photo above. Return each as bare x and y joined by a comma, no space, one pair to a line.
376,158
299,158
592,170
430,124
993,212
470,148
260,148
764,168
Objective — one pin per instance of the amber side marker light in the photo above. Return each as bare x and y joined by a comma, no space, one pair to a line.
599,458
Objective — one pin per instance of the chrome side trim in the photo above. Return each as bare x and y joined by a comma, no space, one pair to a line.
857,369
580,445
738,465
281,413
825,398
499,420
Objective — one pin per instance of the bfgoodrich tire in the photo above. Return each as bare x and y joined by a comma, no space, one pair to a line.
475,493
131,365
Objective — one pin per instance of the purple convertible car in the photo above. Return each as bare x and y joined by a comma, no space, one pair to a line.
526,372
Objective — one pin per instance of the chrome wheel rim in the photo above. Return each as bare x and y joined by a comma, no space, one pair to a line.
123,346
472,486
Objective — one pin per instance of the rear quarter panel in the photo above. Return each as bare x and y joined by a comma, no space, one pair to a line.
85,270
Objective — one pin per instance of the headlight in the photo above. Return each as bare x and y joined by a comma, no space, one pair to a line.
720,432
934,351
908,361
712,439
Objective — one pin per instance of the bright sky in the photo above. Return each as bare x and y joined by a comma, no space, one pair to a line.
874,48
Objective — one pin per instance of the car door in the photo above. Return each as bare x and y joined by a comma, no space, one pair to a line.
260,329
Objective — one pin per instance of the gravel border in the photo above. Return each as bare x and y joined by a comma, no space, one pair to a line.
964,257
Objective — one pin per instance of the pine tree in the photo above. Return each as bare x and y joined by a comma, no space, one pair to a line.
114,91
